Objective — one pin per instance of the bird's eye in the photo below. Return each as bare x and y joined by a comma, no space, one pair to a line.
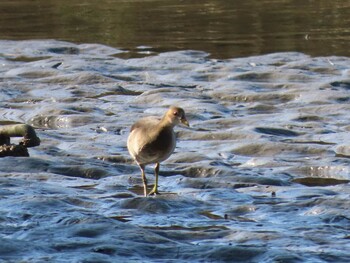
175,113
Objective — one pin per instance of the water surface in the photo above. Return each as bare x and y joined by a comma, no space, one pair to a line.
225,29
260,176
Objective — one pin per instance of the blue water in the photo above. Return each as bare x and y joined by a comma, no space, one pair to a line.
260,176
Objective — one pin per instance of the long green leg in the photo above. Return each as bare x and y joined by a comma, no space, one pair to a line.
155,187
144,179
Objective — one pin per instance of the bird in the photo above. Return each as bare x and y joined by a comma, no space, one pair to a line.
153,140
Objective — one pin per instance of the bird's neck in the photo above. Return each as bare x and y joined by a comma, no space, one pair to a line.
166,123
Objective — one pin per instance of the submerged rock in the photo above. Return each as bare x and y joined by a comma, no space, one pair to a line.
17,130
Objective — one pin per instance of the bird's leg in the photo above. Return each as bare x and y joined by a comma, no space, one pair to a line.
155,187
144,179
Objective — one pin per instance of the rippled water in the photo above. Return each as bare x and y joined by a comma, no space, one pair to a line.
260,176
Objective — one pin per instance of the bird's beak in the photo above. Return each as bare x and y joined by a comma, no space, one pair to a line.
185,122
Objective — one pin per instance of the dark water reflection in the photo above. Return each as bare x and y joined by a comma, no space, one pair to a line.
222,28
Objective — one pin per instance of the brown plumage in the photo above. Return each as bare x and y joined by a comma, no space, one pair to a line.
153,140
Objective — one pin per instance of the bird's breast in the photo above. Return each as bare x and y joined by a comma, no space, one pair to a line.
158,148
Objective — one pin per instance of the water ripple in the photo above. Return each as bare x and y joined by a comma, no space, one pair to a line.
261,175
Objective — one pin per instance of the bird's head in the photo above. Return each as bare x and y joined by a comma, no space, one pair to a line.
176,116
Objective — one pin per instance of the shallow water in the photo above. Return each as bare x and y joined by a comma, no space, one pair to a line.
225,29
260,176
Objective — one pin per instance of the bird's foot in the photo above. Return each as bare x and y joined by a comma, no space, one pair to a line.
154,191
